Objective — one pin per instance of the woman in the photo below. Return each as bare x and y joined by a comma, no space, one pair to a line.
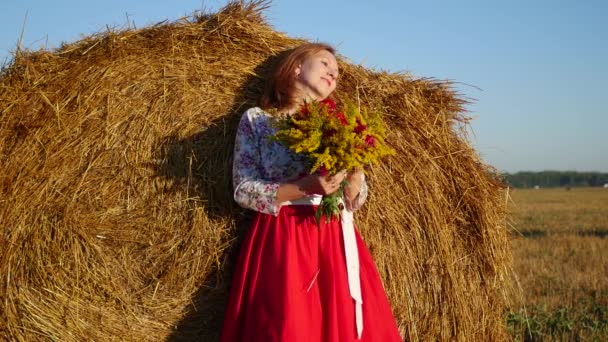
291,282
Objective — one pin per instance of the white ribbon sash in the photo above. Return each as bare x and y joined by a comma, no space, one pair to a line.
351,253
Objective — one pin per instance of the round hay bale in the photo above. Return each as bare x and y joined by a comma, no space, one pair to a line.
116,213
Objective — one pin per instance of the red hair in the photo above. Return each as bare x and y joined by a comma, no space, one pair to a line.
281,83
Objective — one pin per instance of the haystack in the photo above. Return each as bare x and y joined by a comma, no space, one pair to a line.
116,212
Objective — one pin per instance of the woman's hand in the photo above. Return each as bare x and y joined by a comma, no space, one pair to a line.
321,185
352,189
308,185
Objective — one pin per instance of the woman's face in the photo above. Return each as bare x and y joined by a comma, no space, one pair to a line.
316,77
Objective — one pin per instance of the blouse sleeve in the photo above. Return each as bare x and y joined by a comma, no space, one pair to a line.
251,191
361,197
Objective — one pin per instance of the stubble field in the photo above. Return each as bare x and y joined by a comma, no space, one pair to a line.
559,242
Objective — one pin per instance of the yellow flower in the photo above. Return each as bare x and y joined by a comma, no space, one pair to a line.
333,142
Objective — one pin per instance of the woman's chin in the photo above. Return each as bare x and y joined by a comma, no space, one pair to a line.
322,96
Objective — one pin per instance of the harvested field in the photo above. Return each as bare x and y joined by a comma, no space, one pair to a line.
561,259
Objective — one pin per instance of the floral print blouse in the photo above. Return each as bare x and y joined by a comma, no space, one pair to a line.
261,165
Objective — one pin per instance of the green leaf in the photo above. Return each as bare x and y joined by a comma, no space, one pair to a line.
318,214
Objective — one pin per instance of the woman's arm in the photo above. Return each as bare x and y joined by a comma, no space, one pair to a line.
251,191
355,192
311,184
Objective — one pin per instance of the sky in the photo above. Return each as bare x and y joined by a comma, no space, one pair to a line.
537,70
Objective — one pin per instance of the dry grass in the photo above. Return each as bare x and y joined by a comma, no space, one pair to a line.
117,220
559,211
561,258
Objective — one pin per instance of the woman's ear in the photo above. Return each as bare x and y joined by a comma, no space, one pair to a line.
298,70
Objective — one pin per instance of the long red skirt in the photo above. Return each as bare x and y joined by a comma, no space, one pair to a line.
290,284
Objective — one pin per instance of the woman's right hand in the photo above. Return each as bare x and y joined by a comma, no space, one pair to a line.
309,185
321,185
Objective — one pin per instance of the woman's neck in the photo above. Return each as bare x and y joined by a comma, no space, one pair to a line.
291,109
299,100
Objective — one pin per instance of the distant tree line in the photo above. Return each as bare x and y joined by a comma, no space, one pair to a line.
552,179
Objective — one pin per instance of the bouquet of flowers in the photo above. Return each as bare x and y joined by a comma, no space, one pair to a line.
333,141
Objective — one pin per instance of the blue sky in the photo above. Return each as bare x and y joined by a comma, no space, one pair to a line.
538,70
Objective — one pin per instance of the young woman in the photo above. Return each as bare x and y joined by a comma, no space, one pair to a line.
295,281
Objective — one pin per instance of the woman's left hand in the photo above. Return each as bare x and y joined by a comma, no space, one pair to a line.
354,178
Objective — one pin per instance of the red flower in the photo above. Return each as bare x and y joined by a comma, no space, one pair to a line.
360,127
303,110
332,109
369,140
342,118
322,171
331,105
